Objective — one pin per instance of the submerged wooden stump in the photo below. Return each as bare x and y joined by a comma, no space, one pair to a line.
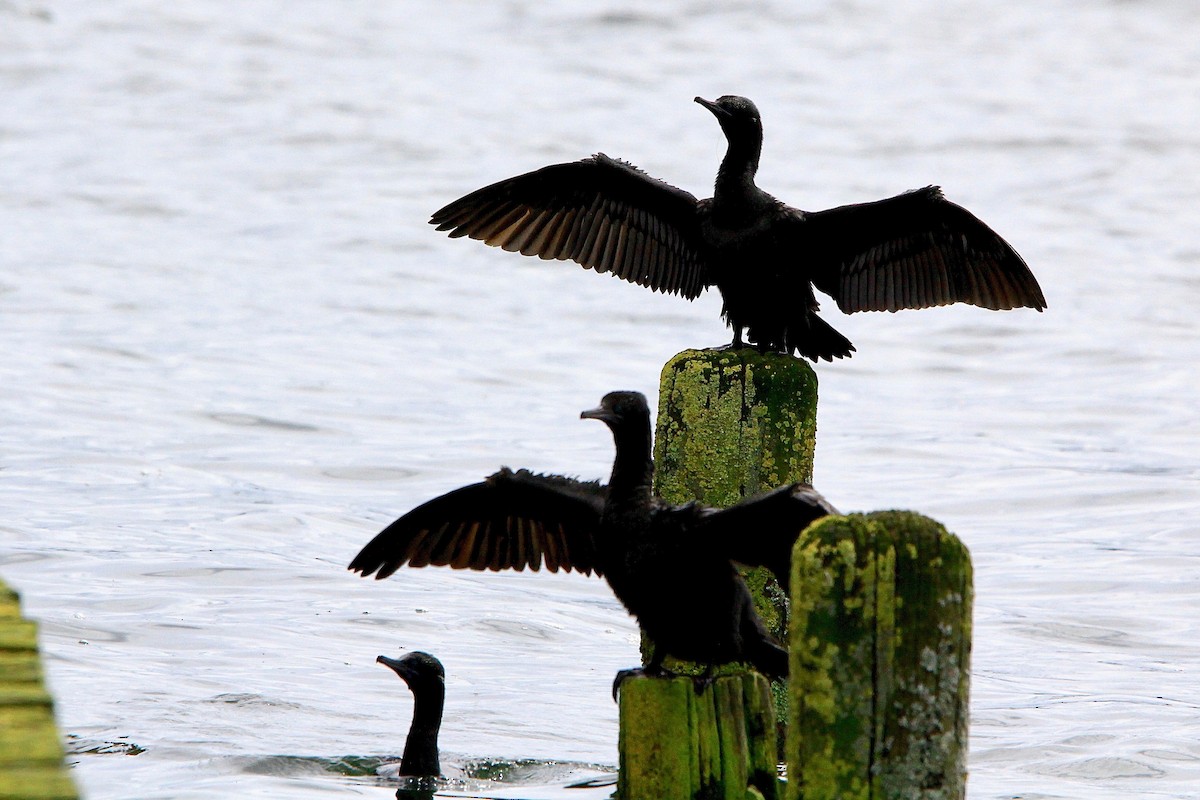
31,757
679,745
880,641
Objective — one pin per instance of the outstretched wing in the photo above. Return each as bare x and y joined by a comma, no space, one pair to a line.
914,250
512,520
760,531
600,212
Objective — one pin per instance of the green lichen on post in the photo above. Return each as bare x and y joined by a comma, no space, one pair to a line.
730,708
879,639
656,748
31,758
676,744
733,423
761,739
704,720
931,729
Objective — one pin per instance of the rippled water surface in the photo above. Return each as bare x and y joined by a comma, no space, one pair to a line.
233,349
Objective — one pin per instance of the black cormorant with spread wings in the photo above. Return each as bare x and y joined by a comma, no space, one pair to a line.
914,250
671,566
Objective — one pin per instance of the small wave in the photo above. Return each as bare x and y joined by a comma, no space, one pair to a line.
254,420
469,775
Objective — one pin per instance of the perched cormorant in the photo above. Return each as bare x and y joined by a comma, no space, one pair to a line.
914,250
427,680
671,566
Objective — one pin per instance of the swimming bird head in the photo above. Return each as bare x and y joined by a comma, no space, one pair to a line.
427,680
421,671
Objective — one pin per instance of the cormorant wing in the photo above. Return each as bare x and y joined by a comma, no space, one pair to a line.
760,531
509,521
913,250
602,213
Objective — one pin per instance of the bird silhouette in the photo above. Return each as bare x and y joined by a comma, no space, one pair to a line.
672,566
914,250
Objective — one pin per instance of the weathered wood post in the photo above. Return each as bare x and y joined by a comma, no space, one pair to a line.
719,744
880,646
31,757
731,423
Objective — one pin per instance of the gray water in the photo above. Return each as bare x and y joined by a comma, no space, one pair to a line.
233,350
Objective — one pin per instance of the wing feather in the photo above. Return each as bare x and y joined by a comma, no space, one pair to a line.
913,250
462,556
602,213
760,531
512,520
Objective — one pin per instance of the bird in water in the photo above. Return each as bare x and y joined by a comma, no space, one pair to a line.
671,566
426,680
914,250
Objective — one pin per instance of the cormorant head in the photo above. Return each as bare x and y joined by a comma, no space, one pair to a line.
620,409
421,671
738,116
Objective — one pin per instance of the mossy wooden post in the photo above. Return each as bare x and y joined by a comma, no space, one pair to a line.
731,423
31,758
880,645
680,745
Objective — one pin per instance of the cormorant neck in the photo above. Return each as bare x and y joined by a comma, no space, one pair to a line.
421,748
633,464
735,178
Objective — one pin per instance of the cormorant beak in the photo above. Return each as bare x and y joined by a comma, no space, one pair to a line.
601,413
399,666
717,111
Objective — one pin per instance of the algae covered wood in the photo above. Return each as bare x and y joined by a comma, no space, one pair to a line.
31,758
733,423
880,642
677,744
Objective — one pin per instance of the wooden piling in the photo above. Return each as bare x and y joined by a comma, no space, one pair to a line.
880,644
31,757
880,629
733,423
677,744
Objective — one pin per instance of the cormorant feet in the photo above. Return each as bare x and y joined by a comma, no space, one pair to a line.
738,344
702,682
626,674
